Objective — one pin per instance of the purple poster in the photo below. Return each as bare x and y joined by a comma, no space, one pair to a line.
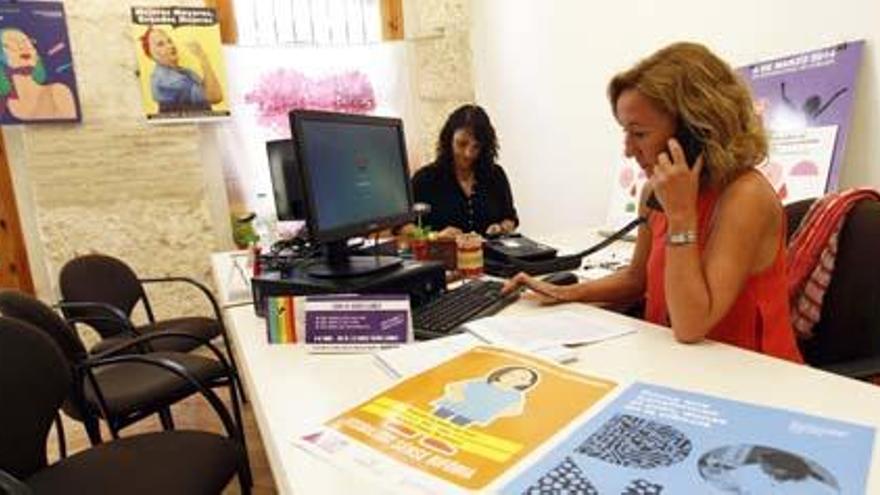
37,82
806,103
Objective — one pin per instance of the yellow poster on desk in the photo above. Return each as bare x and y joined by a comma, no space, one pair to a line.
180,63
472,418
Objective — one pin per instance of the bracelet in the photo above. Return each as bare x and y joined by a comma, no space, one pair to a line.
681,238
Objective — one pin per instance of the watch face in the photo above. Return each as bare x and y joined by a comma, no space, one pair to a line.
678,238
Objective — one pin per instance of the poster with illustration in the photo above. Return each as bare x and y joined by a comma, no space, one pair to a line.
628,181
180,63
459,425
814,89
37,83
799,161
657,440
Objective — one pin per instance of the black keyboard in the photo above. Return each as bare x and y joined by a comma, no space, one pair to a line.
444,314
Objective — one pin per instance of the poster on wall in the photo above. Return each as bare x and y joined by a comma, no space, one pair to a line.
37,83
180,64
658,440
806,102
626,189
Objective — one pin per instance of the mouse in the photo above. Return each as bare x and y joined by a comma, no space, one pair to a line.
561,278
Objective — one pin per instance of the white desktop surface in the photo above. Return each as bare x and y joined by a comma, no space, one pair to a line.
292,391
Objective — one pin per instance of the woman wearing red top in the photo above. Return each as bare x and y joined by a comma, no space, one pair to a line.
711,264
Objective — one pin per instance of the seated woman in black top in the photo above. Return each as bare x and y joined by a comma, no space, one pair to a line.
467,190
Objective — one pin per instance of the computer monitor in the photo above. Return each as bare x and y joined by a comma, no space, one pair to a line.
286,185
355,179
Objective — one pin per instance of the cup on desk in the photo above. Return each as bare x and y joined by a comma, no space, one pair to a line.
470,254
419,249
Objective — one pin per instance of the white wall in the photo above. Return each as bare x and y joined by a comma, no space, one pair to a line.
541,68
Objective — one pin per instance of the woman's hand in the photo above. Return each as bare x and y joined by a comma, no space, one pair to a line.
502,227
542,292
494,229
197,50
450,233
676,185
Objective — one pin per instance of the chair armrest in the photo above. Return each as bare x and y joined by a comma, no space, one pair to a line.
147,338
172,367
113,314
10,485
202,287
860,369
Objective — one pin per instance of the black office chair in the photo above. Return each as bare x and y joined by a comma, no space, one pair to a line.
128,392
847,337
35,380
97,290
105,280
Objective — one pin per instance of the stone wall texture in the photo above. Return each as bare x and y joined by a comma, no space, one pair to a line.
115,184
440,39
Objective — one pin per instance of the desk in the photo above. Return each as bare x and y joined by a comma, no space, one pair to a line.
292,391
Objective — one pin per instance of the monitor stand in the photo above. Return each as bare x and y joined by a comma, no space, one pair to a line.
338,264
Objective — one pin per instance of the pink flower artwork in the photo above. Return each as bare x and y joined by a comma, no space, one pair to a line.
282,90
805,168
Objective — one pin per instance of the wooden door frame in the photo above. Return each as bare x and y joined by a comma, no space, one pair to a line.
10,229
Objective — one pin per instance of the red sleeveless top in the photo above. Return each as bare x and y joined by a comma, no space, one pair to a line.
759,319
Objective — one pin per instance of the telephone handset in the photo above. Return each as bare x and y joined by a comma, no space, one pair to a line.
692,146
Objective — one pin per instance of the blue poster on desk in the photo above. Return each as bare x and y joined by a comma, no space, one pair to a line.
654,440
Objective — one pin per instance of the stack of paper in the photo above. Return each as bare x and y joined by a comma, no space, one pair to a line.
547,335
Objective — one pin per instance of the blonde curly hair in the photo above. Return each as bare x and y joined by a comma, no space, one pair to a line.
695,87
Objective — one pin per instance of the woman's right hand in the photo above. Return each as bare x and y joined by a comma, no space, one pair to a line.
542,292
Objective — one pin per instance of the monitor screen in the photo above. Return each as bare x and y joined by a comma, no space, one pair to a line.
355,173
285,180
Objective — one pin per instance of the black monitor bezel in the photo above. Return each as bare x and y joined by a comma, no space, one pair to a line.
359,228
298,179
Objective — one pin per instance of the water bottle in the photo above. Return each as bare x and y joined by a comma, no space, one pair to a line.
264,223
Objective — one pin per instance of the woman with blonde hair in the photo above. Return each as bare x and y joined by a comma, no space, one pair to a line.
710,260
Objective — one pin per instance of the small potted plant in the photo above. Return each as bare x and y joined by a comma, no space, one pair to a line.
243,233
420,235
419,242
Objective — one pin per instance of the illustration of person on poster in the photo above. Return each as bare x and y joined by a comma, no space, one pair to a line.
37,81
180,63
483,400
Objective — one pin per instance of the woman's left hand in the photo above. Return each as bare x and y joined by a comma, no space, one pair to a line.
675,184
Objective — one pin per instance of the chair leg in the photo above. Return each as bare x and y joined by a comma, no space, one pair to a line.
245,476
231,354
62,441
93,429
166,419
245,481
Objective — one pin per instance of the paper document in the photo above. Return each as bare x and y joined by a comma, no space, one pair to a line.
414,358
459,426
545,330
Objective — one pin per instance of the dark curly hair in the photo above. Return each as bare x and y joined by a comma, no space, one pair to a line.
476,120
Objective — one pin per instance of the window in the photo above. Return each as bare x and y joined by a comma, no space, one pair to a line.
308,22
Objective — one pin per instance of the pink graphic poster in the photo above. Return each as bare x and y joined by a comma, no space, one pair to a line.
806,101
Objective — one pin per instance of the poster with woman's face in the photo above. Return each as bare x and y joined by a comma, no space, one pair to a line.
182,75
37,80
